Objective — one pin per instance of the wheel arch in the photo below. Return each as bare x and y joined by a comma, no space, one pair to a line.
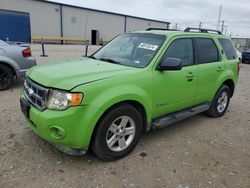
10,67
231,85
137,105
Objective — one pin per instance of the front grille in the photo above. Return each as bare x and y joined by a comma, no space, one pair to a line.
36,94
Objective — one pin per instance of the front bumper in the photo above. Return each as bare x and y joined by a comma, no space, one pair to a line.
70,129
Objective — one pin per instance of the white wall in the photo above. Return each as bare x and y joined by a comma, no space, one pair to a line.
74,21
45,20
140,24
79,23
108,25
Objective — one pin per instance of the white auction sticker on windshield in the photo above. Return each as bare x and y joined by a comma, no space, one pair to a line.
148,46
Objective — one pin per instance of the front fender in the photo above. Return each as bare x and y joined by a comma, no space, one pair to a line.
118,94
101,102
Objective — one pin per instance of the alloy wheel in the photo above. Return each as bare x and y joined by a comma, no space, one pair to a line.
120,133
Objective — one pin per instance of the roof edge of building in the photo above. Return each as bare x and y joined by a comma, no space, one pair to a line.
103,11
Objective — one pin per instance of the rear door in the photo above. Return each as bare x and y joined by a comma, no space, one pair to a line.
210,68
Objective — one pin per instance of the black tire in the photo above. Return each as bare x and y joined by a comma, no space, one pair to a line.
6,77
102,133
243,61
215,110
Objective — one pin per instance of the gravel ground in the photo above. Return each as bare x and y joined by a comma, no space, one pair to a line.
197,152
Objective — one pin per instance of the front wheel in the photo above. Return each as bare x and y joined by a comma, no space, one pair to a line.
117,133
220,102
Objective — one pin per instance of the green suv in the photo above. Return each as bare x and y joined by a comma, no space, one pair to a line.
137,82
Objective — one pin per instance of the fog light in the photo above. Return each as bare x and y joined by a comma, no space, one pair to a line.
57,132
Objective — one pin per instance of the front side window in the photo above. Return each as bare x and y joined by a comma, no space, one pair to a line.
207,51
135,49
228,48
181,49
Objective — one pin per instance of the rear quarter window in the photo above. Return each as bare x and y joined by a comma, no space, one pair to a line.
228,48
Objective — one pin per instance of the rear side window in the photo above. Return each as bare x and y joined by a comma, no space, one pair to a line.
228,48
181,49
206,50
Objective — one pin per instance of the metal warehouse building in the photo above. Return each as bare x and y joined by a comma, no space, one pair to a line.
27,20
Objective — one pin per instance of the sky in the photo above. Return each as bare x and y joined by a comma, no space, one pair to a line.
181,13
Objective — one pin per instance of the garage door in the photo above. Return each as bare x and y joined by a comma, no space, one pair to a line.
15,26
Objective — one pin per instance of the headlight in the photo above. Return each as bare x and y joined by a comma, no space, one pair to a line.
60,100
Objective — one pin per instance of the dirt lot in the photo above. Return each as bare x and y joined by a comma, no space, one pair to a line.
197,152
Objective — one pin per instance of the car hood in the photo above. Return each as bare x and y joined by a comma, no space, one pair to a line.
69,74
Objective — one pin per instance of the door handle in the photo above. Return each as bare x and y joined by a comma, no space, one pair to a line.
219,69
190,76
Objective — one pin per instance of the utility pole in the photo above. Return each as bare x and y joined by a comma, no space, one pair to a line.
200,25
222,26
225,30
176,26
219,18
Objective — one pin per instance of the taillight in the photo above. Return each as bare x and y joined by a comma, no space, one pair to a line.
238,69
26,52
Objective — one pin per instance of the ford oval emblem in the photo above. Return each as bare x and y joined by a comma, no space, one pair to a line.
30,91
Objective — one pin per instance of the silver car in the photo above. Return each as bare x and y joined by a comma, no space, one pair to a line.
15,60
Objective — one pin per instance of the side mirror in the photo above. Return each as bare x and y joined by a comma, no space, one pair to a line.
170,64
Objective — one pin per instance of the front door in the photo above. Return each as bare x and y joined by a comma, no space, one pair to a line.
174,90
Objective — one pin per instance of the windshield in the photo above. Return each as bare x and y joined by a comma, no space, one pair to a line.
135,49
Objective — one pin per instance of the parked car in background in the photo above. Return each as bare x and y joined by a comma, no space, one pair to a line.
246,56
15,60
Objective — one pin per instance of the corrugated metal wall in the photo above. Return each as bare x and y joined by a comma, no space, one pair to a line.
139,24
45,20
107,25
79,23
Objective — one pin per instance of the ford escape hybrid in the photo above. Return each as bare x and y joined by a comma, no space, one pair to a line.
137,82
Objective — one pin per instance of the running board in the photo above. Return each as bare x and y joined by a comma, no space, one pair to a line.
172,118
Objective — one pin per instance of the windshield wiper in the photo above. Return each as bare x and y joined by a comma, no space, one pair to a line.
110,60
92,57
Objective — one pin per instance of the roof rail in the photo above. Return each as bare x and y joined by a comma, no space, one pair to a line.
163,29
193,29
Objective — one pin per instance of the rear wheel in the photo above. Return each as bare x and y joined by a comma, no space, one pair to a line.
220,102
117,133
6,77
243,61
